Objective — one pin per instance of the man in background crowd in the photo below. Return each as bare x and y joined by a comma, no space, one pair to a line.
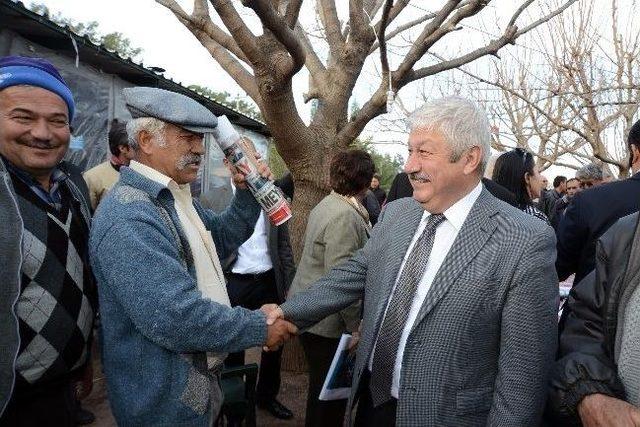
548,198
102,177
376,190
544,184
591,212
596,380
560,205
260,272
590,175
47,294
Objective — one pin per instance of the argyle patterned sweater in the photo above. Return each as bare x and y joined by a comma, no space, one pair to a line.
58,298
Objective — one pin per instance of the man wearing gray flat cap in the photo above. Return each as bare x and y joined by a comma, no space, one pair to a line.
167,324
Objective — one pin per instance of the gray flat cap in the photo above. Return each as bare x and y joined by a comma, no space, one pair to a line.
170,107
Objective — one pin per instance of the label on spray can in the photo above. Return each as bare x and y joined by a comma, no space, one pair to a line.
265,192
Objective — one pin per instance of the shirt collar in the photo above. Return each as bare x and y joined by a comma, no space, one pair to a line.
158,177
458,212
57,175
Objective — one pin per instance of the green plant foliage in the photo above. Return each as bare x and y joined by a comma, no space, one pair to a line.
387,166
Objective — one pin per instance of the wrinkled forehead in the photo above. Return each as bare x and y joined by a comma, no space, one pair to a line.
33,99
428,136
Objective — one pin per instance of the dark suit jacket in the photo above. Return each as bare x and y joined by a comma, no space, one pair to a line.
281,257
587,217
400,187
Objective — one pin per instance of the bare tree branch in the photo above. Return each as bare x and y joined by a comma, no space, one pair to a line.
373,7
490,49
279,28
381,38
546,18
435,30
329,18
411,24
313,62
237,27
293,11
218,43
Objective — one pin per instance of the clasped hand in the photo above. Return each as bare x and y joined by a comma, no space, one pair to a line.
278,329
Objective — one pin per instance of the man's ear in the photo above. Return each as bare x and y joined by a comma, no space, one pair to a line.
473,158
146,142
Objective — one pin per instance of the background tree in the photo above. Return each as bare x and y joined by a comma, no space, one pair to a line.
574,99
263,52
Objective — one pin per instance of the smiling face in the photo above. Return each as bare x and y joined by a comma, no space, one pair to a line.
437,181
176,152
34,129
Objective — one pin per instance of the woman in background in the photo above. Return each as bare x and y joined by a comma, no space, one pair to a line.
516,171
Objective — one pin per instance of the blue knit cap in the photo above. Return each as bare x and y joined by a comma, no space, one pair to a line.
21,70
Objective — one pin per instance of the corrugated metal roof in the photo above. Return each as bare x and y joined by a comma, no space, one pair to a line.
39,29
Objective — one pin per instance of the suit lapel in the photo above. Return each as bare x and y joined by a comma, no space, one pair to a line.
473,235
402,233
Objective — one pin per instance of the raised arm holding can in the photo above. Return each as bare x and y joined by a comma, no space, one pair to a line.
266,193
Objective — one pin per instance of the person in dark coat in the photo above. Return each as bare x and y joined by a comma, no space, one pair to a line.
596,380
592,212
259,272
400,187
376,190
548,198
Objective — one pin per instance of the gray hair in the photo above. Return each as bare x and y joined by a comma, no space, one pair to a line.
590,172
462,123
150,124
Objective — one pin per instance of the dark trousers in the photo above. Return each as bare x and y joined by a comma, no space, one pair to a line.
319,353
48,406
368,416
252,291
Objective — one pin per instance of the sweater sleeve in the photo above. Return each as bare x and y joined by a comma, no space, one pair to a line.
233,226
137,262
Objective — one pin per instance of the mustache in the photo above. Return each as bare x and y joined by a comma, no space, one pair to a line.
36,143
420,177
188,159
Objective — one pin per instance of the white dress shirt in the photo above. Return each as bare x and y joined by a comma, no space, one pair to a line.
446,234
209,275
253,255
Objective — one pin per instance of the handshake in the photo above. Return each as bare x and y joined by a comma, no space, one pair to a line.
278,329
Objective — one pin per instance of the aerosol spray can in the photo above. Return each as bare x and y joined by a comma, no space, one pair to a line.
266,193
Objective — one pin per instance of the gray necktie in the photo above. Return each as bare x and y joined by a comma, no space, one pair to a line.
386,349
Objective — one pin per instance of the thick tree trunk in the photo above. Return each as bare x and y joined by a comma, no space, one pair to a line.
310,188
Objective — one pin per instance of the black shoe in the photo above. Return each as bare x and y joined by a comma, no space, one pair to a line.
84,417
276,409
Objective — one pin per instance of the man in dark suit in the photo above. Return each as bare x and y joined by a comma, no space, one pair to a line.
592,212
548,198
458,290
260,272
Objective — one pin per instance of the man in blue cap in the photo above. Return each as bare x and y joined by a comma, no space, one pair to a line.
167,324
47,294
